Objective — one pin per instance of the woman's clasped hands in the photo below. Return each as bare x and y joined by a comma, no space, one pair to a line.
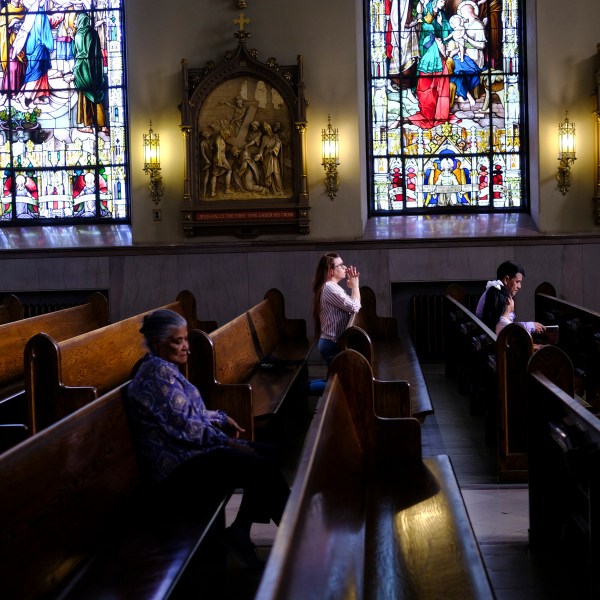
352,277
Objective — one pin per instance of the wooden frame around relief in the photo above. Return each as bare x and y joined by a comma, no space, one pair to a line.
596,198
244,126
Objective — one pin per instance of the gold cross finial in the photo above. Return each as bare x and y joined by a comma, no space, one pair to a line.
241,21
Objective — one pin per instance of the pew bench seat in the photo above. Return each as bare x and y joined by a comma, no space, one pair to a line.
81,522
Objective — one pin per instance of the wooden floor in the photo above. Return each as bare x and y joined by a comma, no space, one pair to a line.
499,513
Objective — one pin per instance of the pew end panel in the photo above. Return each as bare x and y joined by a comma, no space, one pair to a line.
471,358
556,365
187,301
291,329
514,347
236,400
52,402
398,445
11,309
356,338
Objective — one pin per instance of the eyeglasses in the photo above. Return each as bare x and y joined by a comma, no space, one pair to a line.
341,265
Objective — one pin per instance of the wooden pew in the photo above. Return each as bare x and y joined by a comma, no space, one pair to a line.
62,376
495,370
61,325
564,473
579,338
470,354
251,365
77,520
11,309
391,354
367,516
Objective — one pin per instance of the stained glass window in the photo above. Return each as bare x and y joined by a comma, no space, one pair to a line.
445,106
63,142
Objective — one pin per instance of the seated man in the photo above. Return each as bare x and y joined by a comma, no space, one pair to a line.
509,279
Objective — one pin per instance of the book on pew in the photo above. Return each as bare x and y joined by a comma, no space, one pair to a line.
550,336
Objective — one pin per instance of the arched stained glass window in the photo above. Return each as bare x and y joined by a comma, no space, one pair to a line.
446,106
63,142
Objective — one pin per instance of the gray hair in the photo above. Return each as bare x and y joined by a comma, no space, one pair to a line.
158,325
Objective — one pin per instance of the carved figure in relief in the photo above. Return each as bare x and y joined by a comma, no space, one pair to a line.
270,148
239,112
220,165
206,154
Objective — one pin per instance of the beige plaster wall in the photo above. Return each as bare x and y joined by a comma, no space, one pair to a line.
329,36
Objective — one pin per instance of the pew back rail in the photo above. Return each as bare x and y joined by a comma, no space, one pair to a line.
61,324
250,365
62,376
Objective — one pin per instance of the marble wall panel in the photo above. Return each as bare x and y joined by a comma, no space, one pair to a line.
141,283
219,281
571,269
292,274
228,283
590,277
542,263
61,273
373,266
447,264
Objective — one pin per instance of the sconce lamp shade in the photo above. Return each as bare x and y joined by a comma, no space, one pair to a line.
566,153
151,150
152,164
330,158
330,142
566,139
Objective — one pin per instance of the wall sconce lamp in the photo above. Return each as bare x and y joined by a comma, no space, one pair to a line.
152,164
330,152
566,153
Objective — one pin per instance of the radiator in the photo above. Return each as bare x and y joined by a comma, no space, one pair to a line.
426,323
40,303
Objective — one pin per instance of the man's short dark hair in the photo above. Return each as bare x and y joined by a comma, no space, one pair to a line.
509,268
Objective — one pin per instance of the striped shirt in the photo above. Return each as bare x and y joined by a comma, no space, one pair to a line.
335,310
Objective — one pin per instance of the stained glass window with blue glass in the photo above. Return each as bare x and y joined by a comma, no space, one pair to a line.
446,106
63,142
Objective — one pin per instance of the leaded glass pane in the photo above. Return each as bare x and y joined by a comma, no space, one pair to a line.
63,143
445,105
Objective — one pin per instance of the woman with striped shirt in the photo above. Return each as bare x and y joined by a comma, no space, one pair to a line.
332,306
